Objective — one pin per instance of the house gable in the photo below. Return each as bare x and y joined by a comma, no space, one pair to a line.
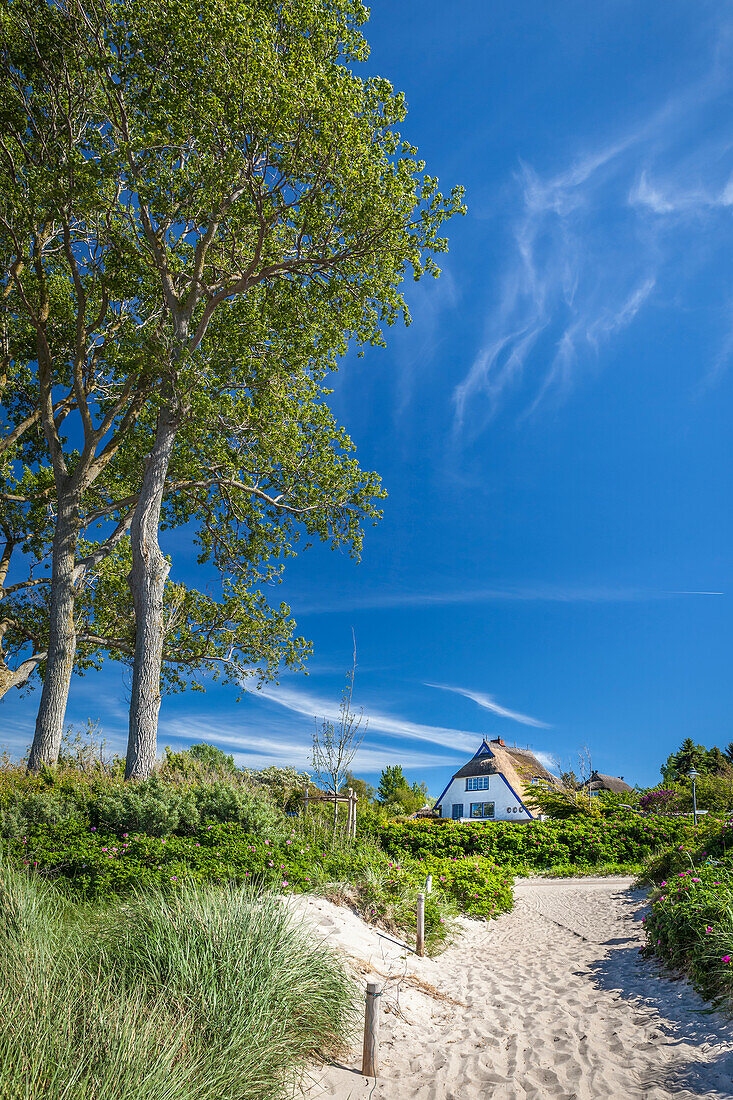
491,759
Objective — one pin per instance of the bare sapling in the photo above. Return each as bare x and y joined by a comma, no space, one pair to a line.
335,744
585,771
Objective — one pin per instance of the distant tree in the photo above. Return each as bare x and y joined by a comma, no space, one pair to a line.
690,755
717,761
284,785
414,798
728,752
390,782
364,791
557,802
397,796
198,760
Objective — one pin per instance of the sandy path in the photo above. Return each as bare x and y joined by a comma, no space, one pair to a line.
550,1002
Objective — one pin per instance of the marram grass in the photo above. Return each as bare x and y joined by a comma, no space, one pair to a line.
207,994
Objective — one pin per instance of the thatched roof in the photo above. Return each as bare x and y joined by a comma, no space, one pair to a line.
518,766
614,783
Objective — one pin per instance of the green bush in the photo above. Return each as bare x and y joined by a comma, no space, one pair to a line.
710,841
689,927
581,844
158,806
94,864
204,994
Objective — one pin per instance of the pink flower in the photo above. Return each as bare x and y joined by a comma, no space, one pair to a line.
285,882
726,958
708,929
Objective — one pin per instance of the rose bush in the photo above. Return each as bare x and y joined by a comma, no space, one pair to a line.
577,845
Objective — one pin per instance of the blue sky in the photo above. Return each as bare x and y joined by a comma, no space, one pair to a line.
554,563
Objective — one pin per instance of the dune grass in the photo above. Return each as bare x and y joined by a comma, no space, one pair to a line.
209,993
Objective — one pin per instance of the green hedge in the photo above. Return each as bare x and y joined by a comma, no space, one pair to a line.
577,844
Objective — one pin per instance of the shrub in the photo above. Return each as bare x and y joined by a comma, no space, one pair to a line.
711,841
658,801
94,864
579,843
158,806
689,927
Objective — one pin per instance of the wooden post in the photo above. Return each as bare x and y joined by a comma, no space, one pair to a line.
370,1052
353,818
305,799
421,924
351,810
429,884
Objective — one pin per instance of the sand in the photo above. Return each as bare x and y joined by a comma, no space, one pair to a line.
551,1002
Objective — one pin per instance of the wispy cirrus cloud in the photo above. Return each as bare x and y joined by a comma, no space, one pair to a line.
279,744
597,242
530,594
488,702
314,706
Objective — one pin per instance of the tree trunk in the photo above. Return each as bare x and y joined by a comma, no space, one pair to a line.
147,583
61,637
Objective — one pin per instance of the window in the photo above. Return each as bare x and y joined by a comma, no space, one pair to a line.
482,809
477,783
457,810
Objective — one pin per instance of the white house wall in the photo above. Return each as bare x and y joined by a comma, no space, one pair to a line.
507,806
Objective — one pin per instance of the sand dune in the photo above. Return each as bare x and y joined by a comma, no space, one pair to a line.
549,1002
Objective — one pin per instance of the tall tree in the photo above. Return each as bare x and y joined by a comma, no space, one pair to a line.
690,755
68,294
163,161
251,153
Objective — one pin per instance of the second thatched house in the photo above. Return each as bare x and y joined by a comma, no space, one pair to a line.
494,785
599,783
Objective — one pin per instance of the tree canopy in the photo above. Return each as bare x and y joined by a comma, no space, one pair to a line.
689,755
200,206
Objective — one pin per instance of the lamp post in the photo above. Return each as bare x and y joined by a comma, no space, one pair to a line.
693,776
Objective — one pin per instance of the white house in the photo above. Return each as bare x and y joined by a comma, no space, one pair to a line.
493,785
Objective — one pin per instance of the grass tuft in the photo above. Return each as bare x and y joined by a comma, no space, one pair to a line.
205,994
